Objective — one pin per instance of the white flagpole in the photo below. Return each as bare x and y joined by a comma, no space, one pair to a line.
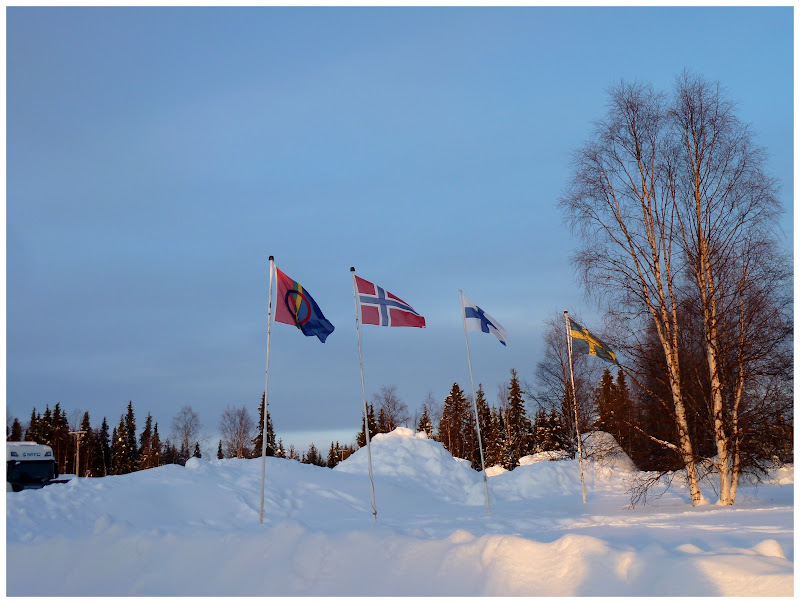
266,388
364,395
575,403
475,403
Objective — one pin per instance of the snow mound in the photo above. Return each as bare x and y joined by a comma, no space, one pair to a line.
416,458
602,448
548,455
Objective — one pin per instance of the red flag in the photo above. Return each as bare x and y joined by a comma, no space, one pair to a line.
379,307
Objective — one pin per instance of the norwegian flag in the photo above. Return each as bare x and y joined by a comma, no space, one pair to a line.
379,307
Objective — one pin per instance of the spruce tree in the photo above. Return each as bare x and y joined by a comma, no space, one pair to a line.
624,410
383,423
95,466
333,456
155,448
32,433
280,453
121,460
16,434
87,448
425,425
45,426
604,401
541,431
61,441
517,425
312,456
132,448
258,439
455,424
361,438
145,444
558,427
105,444
219,451
197,454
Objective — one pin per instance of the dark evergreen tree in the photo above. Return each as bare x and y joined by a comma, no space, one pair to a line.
45,426
258,440
280,452
425,425
95,461
16,434
625,413
121,459
485,424
132,447
312,456
105,445
605,403
183,454
32,433
333,455
87,449
61,441
518,427
495,443
454,427
196,453
361,438
219,451
155,448
383,425
558,427
146,460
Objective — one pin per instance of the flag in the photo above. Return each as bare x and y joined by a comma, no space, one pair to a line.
586,343
478,320
295,306
379,307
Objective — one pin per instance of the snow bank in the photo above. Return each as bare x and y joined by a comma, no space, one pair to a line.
194,531
415,459
603,450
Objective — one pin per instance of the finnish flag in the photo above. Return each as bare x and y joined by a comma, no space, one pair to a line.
476,319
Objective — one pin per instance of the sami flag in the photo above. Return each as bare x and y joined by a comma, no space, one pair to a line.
585,343
295,306
379,307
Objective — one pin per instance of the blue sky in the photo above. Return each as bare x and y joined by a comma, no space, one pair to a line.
157,156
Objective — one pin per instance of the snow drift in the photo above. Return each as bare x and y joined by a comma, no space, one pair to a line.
194,531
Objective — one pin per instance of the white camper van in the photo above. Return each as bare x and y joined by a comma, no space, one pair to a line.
29,465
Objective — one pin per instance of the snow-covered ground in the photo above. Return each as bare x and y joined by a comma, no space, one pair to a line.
194,531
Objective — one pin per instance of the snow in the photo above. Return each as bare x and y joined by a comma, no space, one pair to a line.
194,531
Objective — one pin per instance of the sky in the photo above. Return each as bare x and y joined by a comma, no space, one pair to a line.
156,157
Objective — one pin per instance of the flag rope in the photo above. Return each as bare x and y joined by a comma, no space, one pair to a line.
266,388
475,402
364,396
575,403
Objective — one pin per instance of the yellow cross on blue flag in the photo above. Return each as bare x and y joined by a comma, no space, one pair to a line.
586,343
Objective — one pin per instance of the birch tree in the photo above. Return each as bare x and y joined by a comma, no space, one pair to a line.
618,201
236,427
725,204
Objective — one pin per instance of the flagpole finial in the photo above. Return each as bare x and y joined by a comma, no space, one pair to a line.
272,258
352,269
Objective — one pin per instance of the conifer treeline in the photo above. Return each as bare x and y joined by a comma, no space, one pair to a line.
99,451
507,433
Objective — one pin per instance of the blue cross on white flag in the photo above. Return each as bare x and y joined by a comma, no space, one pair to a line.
476,319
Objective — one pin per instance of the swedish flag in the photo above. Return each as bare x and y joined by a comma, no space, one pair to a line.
586,343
